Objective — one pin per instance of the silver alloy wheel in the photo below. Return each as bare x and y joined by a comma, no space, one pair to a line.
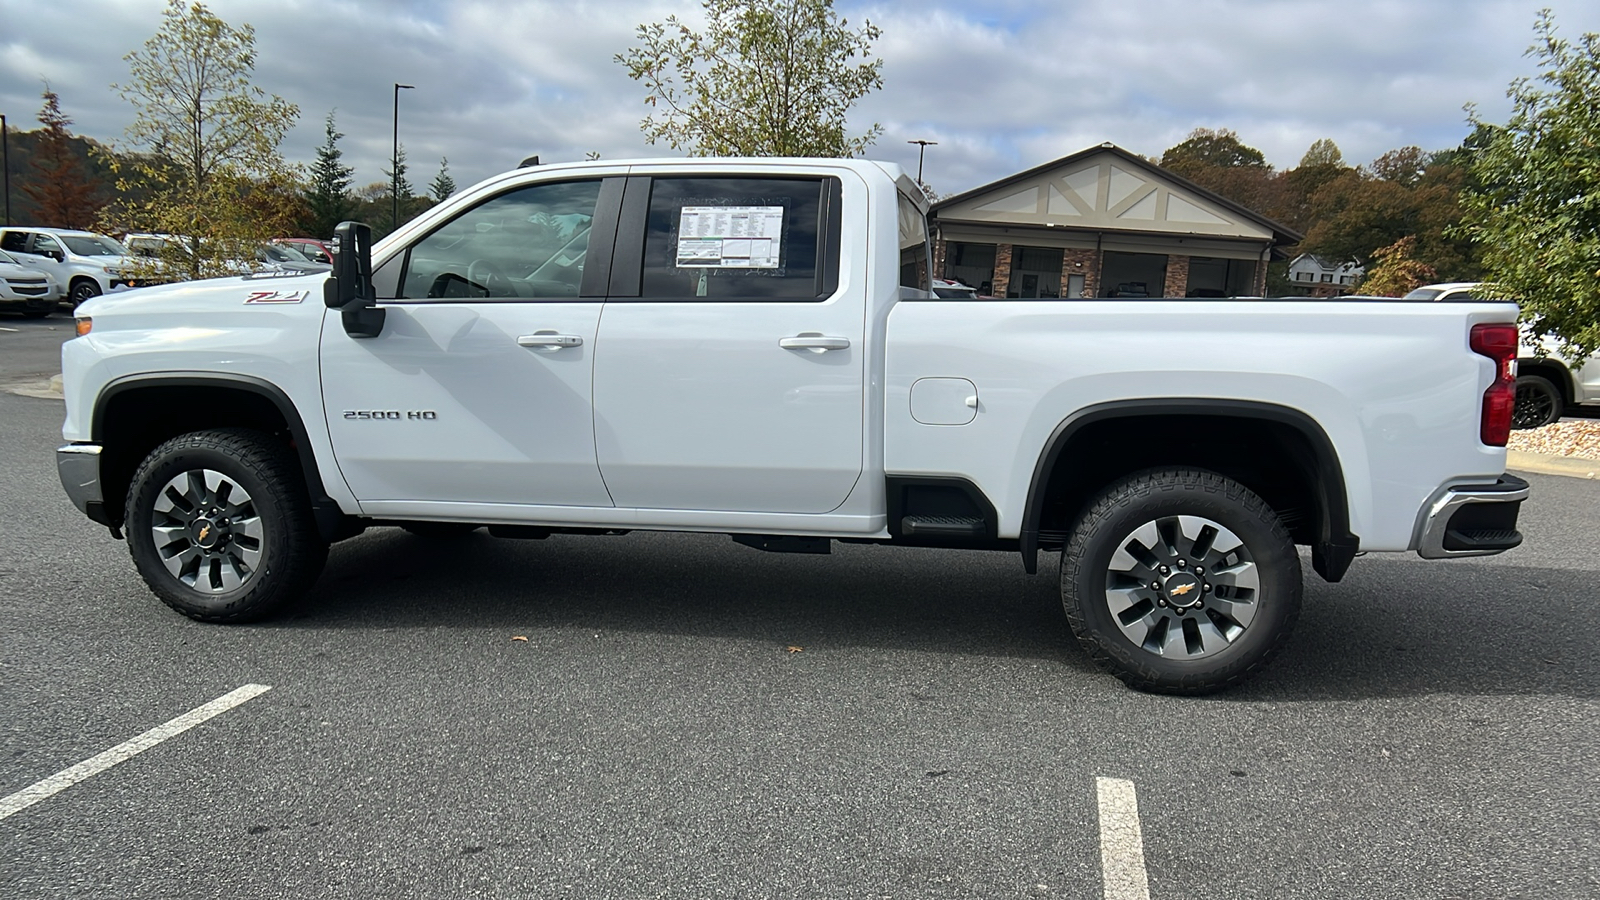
207,531
1182,587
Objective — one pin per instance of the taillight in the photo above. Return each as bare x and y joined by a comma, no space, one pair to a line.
1499,343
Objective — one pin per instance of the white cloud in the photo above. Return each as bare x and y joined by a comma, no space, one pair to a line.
1001,85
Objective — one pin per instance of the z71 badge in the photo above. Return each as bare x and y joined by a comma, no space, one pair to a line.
277,296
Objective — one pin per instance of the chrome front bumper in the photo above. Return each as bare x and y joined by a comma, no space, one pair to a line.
79,468
1473,520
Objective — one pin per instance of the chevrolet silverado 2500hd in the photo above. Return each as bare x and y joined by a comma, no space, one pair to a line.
749,347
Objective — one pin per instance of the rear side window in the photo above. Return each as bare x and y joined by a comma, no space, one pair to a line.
735,239
14,241
525,244
913,245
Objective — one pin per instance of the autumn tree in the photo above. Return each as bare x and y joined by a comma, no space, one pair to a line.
767,78
61,188
328,198
1323,152
211,139
1534,211
1395,272
1219,162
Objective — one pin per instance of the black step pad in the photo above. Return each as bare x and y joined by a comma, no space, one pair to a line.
945,526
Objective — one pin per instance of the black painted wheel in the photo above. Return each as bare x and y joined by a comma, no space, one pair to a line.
83,290
1180,581
1538,402
220,527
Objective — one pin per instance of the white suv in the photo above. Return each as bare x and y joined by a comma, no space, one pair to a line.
1547,382
82,263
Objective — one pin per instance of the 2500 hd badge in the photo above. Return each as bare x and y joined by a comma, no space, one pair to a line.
391,415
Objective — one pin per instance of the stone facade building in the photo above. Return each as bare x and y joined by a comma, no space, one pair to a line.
1103,223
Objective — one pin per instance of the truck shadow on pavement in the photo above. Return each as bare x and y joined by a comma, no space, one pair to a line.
1395,627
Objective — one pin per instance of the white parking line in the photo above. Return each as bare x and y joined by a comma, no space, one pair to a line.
94,765
1121,841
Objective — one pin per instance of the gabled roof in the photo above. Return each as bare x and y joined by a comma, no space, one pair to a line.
1106,187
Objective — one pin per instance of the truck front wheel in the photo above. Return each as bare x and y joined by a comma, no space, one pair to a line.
220,527
1180,581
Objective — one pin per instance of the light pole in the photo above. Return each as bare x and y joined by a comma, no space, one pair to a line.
5,153
394,162
922,147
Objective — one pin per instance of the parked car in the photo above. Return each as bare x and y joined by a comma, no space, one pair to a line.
82,263
314,250
281,257
270,257
1547,382
945,289
26,289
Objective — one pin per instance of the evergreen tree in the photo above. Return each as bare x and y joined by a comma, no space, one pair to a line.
63,192
329,197
443,185
400,192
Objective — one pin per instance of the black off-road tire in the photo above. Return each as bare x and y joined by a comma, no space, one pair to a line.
285,548
440,530
1167,661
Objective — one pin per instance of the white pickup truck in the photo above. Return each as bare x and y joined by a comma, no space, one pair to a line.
750,347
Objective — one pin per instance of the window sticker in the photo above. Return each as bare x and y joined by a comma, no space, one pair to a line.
730,237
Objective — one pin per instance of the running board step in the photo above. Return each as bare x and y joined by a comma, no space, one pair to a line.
942,526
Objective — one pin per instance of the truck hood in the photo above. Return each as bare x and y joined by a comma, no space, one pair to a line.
211,294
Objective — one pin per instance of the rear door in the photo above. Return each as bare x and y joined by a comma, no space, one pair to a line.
729,372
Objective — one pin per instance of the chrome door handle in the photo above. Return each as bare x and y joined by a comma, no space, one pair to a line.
814,342
549,339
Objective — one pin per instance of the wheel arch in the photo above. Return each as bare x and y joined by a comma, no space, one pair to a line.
135,413
1303,480
1553,371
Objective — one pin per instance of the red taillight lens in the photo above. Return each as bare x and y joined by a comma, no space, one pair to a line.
1499,343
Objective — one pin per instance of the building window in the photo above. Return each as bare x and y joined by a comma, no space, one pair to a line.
1210,277
1133,274
1327,278
970,264
1035,273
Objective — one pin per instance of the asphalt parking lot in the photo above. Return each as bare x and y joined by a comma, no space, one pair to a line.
678,716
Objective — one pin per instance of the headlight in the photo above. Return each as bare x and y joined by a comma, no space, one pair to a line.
112,271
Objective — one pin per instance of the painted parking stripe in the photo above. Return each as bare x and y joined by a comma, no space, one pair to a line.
94,765
1121,841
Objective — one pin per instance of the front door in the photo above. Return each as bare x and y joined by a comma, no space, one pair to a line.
479,388
730,377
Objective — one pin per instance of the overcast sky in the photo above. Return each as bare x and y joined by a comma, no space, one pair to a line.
1002,85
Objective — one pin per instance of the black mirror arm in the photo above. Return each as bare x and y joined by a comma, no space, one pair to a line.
350,289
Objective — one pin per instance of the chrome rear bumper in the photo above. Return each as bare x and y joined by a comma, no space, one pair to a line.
1473,520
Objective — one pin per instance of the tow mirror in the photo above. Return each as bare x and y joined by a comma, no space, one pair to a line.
350,289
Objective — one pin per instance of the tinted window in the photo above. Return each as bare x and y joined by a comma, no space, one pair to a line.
92,246
15,241
527,243
913,245
733,239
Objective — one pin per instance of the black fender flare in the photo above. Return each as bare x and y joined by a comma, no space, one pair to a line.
1335,546
330,518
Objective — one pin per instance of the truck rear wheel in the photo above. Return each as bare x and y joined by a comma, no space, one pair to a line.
1180,581
220,527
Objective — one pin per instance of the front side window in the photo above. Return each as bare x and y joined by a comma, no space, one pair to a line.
913,245
734,239
525,244
44,243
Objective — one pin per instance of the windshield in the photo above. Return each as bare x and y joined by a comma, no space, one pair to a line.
1423,294
92,245
284,253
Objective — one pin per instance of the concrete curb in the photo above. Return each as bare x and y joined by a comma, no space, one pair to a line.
1541,464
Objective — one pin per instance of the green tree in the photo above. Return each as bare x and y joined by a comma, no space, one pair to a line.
64,193
1322,152
1403,166
768,78
328,199
1534,211
400,194
443,185
212,141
